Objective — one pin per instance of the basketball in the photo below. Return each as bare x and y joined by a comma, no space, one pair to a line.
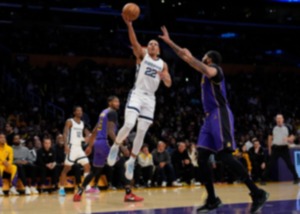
131,10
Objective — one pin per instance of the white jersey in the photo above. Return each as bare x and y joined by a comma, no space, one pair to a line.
76,133
147,78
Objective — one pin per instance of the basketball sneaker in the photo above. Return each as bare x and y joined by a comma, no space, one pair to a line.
77,197
13,191
113,155
132,198
93,190
1,192
259,199
210,205
62,191
129,166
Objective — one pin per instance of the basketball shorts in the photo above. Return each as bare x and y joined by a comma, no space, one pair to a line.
101,151
141,102
217,132
76,155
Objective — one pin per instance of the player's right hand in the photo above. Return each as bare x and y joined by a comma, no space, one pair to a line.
126,20
165,37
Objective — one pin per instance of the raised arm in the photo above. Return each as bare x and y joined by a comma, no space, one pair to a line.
137,48
187,56
165,76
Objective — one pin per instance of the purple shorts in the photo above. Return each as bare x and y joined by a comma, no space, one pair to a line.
217,132
101,151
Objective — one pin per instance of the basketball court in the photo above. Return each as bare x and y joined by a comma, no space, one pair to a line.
283,199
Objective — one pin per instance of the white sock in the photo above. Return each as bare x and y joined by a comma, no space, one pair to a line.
85,174
62,188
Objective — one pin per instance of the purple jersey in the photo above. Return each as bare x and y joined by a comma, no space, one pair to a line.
105,116
213,91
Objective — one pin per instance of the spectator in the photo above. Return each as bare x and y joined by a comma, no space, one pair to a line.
182,164
32,150
46,162
6,165
193,155
164,168
9,132
25,165
144,167
258,160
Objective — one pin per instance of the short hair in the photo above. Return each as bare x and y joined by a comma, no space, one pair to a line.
75,107
215,56
47,138
111,98
145,146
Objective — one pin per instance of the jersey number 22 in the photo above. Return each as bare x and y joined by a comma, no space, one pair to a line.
150,72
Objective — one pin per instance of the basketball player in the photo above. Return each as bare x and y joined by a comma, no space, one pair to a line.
141,100
73,137
217,133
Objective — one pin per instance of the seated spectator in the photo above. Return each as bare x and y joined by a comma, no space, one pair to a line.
164,168
46,161
258,160
243,156
144,168
32,150
6,165
182,163
25,165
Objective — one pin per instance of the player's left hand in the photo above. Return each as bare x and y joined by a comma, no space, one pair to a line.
88,150
165,37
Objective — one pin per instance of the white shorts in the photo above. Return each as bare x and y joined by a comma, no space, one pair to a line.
141,102
76,155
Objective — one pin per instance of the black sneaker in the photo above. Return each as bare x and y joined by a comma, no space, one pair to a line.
259,199
210,205
296,181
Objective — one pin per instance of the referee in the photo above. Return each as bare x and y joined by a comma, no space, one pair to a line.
278,147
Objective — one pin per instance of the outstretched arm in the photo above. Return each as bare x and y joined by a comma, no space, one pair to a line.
186,55
137,48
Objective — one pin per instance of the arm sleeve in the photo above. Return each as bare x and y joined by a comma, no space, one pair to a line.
219,76
112,116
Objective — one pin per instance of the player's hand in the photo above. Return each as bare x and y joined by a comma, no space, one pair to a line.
165,37
67,149
126,20
88,150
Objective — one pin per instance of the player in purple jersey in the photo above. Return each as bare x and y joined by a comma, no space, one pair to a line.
105,128
217,132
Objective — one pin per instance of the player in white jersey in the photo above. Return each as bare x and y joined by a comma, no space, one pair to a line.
141,100
73,137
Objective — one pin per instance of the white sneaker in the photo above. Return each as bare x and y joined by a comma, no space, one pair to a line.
164,184
197,183
1,192
176,184
27,191
113,155
13,191
34,190
129,166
